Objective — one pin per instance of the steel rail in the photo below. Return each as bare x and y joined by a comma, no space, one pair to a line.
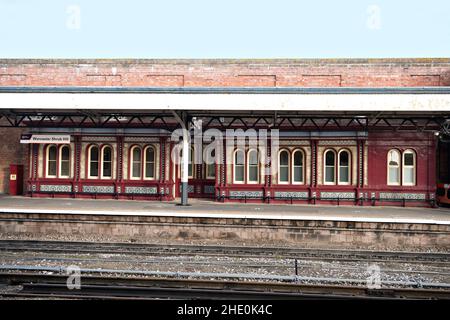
240,264
251,277
33,284
247,251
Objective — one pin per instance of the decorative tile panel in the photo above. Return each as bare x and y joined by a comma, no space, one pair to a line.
99,139
142,139
335,195
55,188
398,195
289,194
337,143
141,190
248,194
294,143
98,189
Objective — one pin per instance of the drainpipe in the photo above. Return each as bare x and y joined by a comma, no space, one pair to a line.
182,120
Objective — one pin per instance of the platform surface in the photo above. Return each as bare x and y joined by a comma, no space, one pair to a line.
206,208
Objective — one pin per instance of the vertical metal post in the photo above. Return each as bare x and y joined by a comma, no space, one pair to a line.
183,121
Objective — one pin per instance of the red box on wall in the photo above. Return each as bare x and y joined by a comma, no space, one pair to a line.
15,179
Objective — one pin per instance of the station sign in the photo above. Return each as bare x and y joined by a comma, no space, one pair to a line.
44,138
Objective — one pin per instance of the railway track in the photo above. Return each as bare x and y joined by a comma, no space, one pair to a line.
26,285
242,265
234,251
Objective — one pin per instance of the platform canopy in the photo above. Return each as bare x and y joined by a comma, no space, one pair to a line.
424,99
418,108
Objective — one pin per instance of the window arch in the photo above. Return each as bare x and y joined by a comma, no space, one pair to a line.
252,166
64,161
283,166
297,166
344,164
52,162
107,162
149,162
239,166
409,168
93,160
136,162
393,163
329,167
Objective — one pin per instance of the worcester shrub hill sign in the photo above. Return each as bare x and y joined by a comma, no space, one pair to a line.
44,138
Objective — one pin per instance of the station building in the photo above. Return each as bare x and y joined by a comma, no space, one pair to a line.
350,131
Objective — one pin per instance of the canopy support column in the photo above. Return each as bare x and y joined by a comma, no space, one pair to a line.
183,121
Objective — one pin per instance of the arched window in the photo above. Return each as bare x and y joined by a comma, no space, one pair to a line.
297,167
252,167
409,168
93,156
210,165
64,161
107,162
330,167
136,162
239,163
51,161
149,159
393,168
344,167
283,167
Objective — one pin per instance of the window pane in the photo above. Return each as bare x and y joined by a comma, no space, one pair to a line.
149,155
394,158
239,158
329,158
94,154
136,169
239,173
65,168
284,158
52,167
343,174
329,174
408,175
284,174
343,158
65,153
409,159
298,158
253,157
190,170
149,169
298,174
107,154
137,154
107,169
52,153
211,170
253,173
94,169
393,175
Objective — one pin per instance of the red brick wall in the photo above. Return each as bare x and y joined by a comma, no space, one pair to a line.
220,73
11,152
